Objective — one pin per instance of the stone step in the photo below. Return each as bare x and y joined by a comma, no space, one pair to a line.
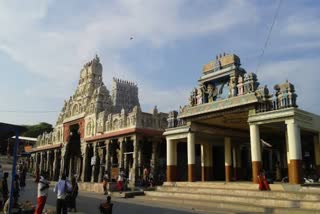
301,196
266,202
229,207
128,194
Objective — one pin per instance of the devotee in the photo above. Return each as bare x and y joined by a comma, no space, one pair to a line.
263,182
61,188
43,187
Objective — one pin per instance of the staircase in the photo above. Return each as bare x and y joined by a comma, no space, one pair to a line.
238,196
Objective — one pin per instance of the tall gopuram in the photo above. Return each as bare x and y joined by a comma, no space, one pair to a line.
232,128
98,132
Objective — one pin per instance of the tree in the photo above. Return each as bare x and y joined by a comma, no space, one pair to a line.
36,130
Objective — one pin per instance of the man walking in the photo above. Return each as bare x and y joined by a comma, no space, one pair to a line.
62,187
43,187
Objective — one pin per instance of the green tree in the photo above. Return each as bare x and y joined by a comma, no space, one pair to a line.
36,130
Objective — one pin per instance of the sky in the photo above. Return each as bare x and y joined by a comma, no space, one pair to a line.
45,43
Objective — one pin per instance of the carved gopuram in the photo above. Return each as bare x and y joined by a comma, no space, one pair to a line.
98,132
232,128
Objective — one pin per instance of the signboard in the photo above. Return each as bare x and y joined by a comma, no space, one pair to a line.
27,148
93,160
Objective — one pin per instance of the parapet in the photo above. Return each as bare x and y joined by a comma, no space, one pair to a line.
222,61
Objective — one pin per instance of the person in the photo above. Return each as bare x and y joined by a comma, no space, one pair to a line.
151,181
43,186
105,183
145,176
120,181
61,188
106,207
16,189
278,171
5,189
73,195
263,182
22,179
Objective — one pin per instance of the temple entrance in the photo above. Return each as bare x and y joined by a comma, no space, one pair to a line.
73,153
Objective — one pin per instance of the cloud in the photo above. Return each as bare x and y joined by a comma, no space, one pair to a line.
48,40
303,73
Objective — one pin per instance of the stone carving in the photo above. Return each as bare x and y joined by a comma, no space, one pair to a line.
232,87
285,96
240,86
212,92
250,83
193,97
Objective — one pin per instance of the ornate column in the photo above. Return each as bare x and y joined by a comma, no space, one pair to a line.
206,166
227,158
135,159
41,162
255,151
85,162
95,153
171,161
191,156
154,158
107,164
295,154
63,167
48,163
55,156
316,142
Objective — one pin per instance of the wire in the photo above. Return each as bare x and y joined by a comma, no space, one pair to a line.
268,36
28,112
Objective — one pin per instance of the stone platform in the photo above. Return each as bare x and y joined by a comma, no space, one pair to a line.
241,196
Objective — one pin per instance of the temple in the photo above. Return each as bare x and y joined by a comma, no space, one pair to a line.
232,128
98,132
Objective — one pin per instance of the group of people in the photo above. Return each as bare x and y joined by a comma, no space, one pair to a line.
4,190
66,191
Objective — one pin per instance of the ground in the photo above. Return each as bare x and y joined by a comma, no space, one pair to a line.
88,202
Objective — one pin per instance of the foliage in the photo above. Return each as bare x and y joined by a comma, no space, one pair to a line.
36,130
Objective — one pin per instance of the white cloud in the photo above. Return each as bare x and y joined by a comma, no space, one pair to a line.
303,73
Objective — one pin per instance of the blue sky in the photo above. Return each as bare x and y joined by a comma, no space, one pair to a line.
44,44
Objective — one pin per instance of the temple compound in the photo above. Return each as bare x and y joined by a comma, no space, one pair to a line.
97,132
232,128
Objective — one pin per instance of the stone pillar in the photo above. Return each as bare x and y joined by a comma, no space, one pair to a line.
48,163
85,162
63,167
95,153
255,151
55,162
295,154
316,142
154,159
41,162
107,164
206,166
191,156
227,158
171,161
121,156
135,160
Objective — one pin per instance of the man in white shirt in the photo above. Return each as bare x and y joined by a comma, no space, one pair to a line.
43,187
61,188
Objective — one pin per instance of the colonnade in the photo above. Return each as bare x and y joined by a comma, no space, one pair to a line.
232,154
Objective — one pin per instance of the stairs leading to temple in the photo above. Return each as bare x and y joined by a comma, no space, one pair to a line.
244,197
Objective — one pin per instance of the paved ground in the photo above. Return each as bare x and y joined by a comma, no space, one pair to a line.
88,203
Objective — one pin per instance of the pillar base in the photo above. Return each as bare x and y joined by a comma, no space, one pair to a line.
228,173
295,172
171,173
256,167
191,172
206,173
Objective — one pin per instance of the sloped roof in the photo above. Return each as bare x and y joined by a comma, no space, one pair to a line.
8,130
